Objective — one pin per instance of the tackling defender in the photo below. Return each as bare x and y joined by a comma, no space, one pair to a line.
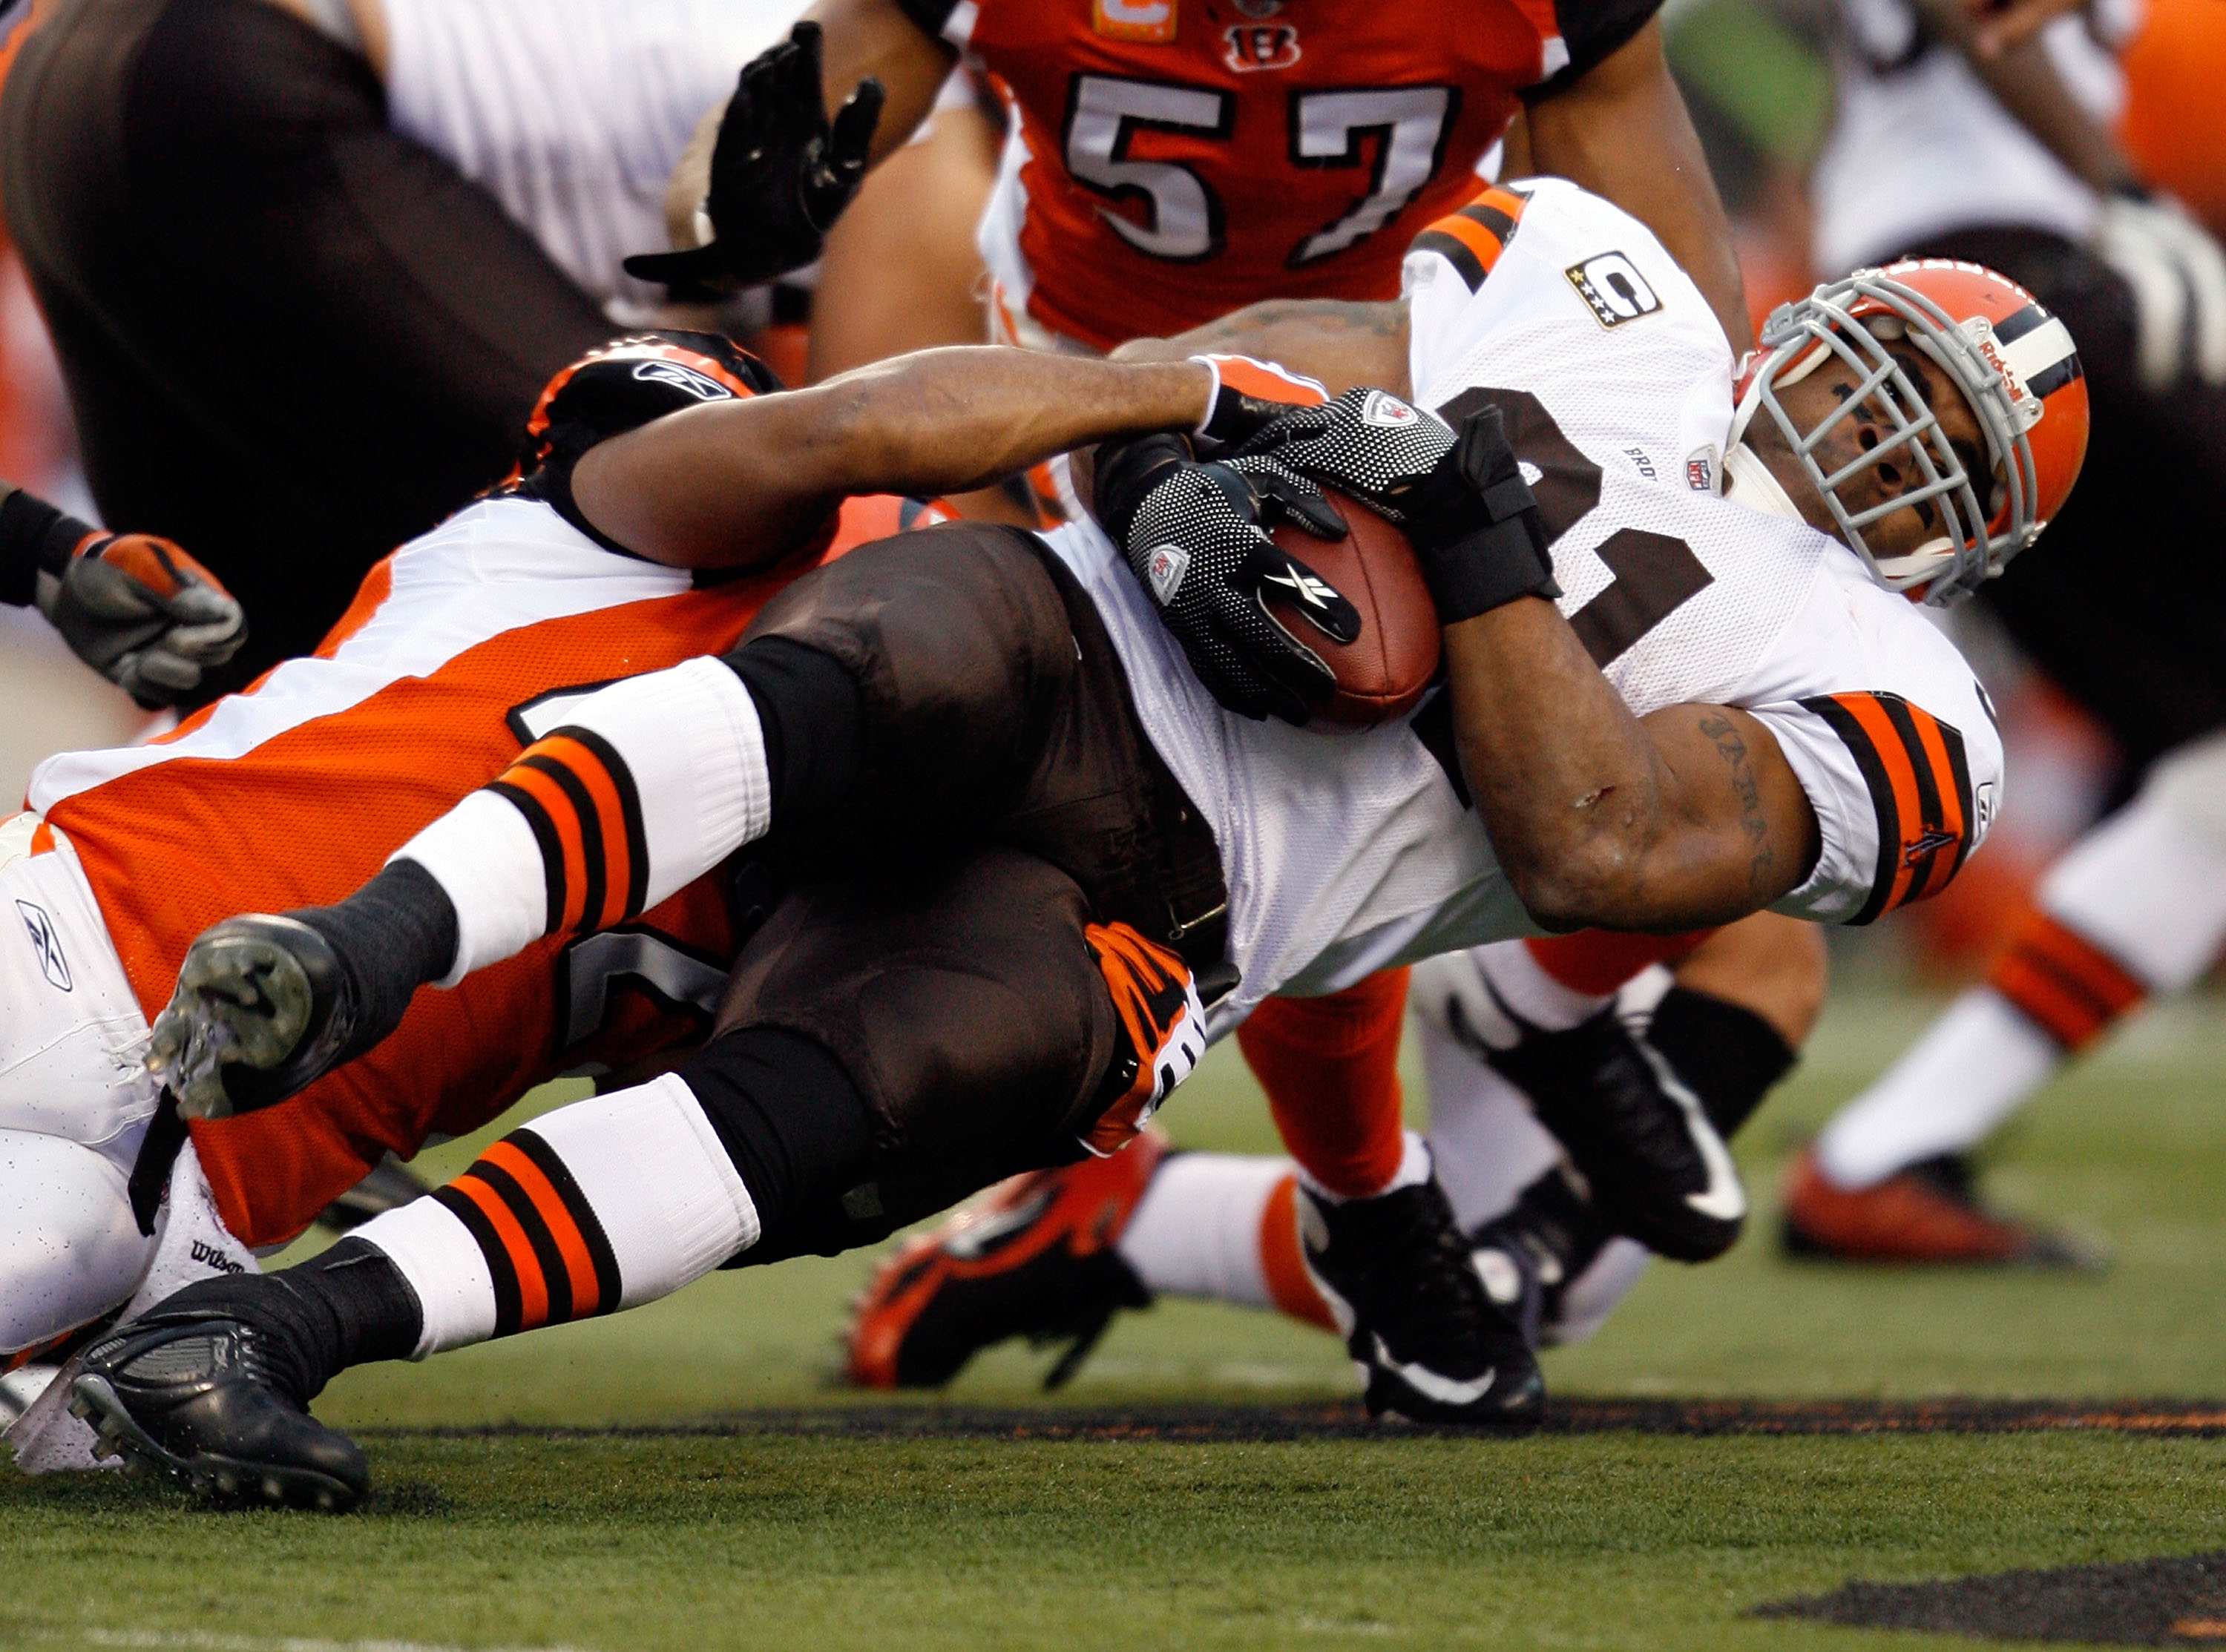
984,753
460,647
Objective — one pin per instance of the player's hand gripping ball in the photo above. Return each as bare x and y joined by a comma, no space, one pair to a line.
1472,522
142,613
781,173
1219,547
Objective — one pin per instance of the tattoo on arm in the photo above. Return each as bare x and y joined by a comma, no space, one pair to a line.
1374,320
1724,735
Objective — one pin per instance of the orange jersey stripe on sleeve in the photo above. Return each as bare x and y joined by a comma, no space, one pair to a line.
1920,785
1473,239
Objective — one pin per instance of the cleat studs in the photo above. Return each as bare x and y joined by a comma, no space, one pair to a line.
325,1499
81,1407
272,1491
228,1484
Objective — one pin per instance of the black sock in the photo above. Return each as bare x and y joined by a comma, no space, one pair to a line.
347,1305
1728,1054
393,935
815,727
790,1118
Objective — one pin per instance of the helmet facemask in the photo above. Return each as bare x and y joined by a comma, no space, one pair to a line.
1853,321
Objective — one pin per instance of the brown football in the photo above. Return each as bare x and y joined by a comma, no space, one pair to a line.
1383,672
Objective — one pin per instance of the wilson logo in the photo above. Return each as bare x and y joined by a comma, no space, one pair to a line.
209,1256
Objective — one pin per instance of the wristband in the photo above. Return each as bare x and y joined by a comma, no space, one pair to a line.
1474,525
35,538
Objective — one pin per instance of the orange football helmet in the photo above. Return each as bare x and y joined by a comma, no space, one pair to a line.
2017,367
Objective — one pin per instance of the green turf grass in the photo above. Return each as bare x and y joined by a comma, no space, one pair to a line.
1611,1540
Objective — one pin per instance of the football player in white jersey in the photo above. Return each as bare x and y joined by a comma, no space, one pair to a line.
1028,841
1942,149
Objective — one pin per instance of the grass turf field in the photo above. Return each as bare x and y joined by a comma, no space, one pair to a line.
813,1523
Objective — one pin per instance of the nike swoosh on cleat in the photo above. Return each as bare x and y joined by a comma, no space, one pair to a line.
1427,1382
1724,1199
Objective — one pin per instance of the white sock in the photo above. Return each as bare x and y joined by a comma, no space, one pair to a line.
1196,1232
1970,1071
672,765
1488,1145
631,1189
2148,886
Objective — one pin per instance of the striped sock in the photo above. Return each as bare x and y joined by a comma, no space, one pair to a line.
650,784
602,1205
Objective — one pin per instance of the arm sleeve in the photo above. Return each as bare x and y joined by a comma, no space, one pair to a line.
1903,796
1591,30
943,20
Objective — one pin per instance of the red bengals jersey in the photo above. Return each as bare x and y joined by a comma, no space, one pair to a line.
1173,159
294,792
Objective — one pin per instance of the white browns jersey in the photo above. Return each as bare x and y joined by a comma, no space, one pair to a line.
1348,853
573,112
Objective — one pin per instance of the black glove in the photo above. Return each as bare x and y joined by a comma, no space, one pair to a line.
780,173
1470,517
1195,536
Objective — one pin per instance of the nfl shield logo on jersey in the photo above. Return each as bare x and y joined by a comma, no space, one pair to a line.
1165,568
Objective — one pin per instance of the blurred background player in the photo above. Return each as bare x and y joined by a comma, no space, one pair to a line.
416,209
1941,150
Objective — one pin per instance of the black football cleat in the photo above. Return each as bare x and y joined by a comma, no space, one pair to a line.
1652,1163
1531,1253
1432,1345
193,1398
262,1006
1033,1257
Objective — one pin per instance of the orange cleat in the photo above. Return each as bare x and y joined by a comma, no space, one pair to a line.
1033,1257
1926,1213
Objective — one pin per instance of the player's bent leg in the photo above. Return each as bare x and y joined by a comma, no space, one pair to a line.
884,1048
1038,1256
1379,1243
897,698
2136,908
70,1249
1655,1166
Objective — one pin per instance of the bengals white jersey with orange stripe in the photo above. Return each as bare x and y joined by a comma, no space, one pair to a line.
1164,154
456,652
1347,853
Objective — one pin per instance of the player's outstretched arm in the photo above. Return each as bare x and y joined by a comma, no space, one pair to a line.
1689,817
1621,130
743,483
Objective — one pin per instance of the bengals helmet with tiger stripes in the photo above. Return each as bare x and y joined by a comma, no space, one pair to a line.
2017,367
621,386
